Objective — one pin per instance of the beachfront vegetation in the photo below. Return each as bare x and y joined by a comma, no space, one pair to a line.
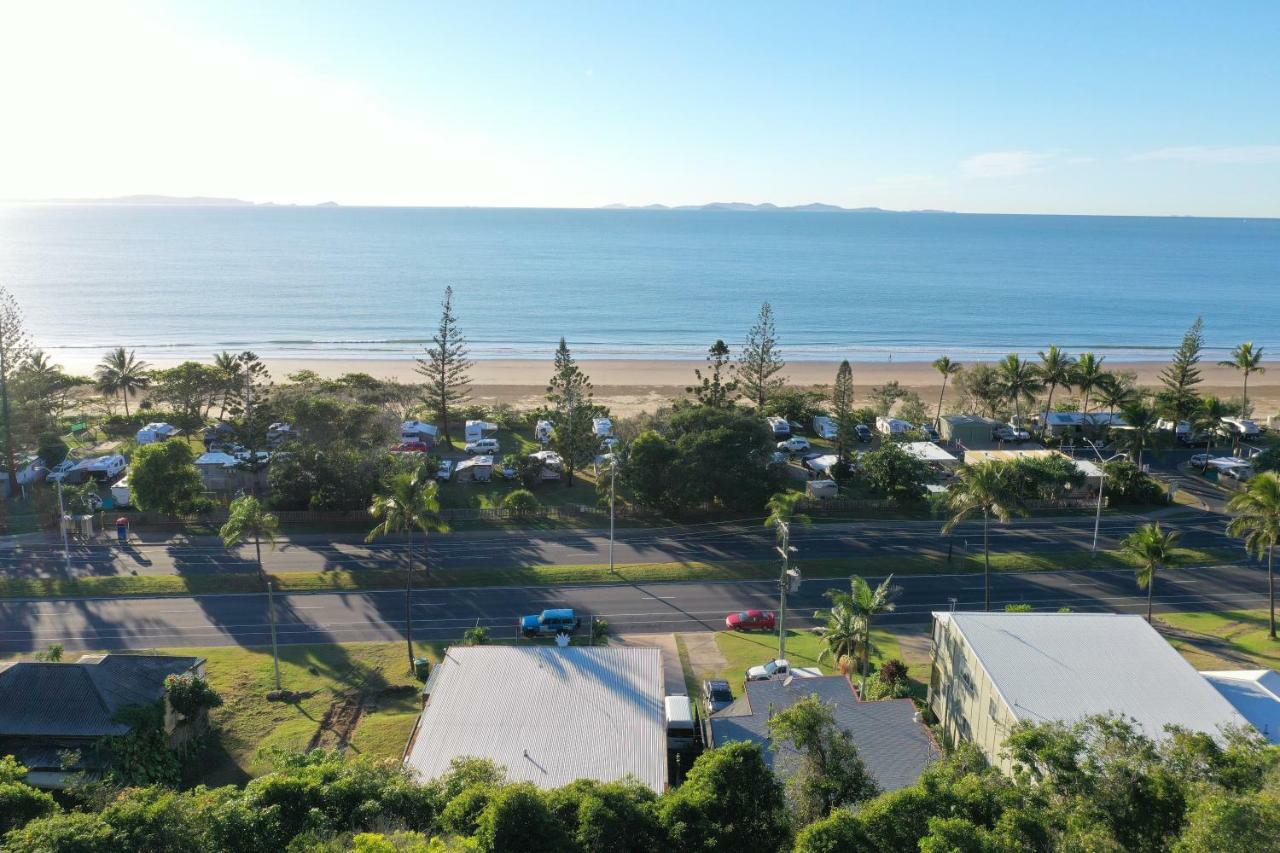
1182,376
1247,359
1256,513
446,368
164,479
120,372
719,388
760,361
572,408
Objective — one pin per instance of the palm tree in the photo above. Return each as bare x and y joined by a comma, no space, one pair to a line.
947,368
841,635
1019,380
229,366
865,604
1245,359
1208,416
1141,420
39,368
248,518
1056,368
1089,376
989,488
1152,547
1115,391
409,501
120,373
1257,521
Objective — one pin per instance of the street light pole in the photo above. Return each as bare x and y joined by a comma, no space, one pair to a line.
62,525
271,617
613,477
784,548
1102,484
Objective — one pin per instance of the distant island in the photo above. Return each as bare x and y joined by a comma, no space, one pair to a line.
177,201
815,207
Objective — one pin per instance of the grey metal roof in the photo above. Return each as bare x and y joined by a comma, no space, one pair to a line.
1066,666
548,715
893,745
81,699
1255,693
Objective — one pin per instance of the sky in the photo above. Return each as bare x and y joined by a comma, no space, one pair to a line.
1156,108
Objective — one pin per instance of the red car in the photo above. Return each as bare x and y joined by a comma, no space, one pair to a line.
751,620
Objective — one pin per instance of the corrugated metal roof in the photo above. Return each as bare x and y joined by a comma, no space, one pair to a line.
893,745
1255,693
81,699
1066,666
548,715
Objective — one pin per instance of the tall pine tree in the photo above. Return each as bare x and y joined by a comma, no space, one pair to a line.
570,396
718,388
842,409
760,361
1179,397
15,347
446,367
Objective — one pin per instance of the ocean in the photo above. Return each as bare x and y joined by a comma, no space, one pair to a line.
366,283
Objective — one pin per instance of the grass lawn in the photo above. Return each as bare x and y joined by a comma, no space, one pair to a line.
1235,639
347,703
556,575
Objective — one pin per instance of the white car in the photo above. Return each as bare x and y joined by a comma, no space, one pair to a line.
483,447
59,472
1201,460
779,668
446,469
795,444
1010,433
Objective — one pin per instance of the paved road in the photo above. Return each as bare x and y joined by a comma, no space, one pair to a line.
503,548
647,608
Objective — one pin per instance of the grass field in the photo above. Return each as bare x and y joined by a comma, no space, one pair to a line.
1235,639
557,575
347,702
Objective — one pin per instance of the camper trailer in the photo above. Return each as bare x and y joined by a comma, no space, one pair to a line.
892,426
476,430
1241,428
104,469
824,427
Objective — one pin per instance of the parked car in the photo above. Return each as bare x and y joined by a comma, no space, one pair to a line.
59,472
751,620
681,729
780,458
717,694
795,444
483,447
1201,460
549,623
1197,439
778,669
863,432
1008,432
445,470
930,433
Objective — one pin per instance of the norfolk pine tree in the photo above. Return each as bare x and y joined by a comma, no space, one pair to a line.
1180,378
842,408
446,367
719,387
760,360
569,394
14,349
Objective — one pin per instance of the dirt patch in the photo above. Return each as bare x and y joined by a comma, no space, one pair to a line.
338,723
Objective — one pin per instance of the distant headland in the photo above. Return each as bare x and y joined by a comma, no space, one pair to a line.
815,207
177,201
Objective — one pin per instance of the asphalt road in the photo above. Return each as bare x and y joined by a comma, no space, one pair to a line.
444,614
719,542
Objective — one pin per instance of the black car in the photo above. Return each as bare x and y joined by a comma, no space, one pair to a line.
863,432
717,694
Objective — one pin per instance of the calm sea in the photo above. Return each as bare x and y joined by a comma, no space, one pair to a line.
366,282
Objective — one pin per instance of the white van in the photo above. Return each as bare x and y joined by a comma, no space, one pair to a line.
680,732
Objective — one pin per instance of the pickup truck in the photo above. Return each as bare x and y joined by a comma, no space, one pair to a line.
548,623
780,669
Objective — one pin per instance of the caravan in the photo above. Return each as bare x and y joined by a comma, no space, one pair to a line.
602,427
475,430
824,427
892,426
781,429
542,432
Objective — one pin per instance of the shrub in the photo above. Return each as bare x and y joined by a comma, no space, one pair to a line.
522,503
189,694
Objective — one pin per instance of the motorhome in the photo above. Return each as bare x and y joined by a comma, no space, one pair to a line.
418,432
825,427
476,430
680,728
781,429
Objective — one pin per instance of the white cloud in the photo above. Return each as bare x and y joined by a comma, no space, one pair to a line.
1217,154
1006,164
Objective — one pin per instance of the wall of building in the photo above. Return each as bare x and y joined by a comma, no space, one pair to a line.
963,697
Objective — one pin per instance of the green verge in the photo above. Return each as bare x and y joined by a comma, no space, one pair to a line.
564,575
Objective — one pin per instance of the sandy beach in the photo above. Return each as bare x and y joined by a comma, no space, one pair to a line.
629,386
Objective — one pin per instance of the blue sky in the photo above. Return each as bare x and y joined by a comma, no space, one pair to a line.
1136,108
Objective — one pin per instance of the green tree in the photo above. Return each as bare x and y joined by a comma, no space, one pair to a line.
729,801
898,475
1182,376
15,346
1056,370
991,489
1141,421
722,457
613,817
1152,547
446,368
831,773
983,389
163,478
719,387
248,519
841,635
189,390
1246,359
64,832
842,410
250,405
570,396
1019,381
121,373
865,603
760,361
1115,391
1232,824
517,819
1088,378
883,397
1256,519
521,502
409,502
948,368
1207,417
840,832
228,366
646,468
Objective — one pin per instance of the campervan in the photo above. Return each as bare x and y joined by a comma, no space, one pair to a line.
1241,428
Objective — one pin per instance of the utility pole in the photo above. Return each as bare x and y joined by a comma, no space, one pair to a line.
613,476
271,617
784,581
62,525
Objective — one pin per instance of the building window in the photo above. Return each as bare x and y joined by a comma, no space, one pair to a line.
992,711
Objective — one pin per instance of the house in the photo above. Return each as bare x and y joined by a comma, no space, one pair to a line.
1255,693
152,433
416,431
892,742
549,715
992,670
48,710
968,430
476,430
